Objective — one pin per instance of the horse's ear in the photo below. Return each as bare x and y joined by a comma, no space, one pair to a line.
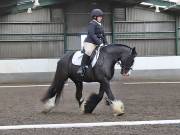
134,51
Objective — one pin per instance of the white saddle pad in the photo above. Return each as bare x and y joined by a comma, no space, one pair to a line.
77,58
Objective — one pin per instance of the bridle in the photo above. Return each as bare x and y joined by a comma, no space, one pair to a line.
123,66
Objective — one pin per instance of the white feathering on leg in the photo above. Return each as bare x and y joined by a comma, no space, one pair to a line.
117,107
49,105
82,99
82,109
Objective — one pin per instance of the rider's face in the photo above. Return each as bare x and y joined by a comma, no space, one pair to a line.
99,18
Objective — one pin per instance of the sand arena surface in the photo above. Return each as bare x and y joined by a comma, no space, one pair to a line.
22,106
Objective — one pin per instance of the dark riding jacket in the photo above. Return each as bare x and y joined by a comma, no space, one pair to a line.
95,34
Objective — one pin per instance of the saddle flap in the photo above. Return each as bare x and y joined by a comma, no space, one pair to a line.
77,58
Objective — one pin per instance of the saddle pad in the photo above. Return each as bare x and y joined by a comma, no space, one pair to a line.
77,58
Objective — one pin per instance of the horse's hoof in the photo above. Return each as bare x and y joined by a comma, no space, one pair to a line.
47,109
117,107
115,114
49,105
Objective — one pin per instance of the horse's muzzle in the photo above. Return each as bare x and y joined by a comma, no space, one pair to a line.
126,73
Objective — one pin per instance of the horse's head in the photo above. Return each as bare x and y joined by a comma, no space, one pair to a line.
127,61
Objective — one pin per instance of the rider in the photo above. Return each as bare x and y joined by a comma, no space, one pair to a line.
95,37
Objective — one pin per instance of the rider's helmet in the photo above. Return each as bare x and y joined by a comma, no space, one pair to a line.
96,12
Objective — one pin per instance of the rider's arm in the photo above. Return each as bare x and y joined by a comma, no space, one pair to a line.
92,34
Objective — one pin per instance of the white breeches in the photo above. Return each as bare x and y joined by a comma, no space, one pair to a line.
89,48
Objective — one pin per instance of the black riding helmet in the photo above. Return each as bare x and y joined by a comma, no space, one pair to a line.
96,12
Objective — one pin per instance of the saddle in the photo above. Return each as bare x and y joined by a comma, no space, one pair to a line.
77,57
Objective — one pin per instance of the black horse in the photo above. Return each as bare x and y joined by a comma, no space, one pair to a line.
102,72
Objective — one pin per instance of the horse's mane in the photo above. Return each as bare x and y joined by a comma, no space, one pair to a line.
112,46
118,45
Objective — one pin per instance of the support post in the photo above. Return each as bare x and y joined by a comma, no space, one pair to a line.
177,35
65,32
112,24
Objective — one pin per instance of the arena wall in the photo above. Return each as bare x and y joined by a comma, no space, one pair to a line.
42,70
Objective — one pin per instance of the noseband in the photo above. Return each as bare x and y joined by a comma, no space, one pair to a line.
123,66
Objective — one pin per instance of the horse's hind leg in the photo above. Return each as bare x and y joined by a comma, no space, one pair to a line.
89,105
79,88
53,94
60,86
50,93
49,99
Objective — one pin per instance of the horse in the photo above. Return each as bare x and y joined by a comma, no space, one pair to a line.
102,72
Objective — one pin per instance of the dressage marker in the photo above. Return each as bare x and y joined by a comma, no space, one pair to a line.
87,125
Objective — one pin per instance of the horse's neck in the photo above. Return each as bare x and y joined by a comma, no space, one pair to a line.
115,52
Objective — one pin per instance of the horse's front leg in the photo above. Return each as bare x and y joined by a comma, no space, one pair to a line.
106,87
116,105
89,105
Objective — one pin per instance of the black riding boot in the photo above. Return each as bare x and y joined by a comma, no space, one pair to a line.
84,65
